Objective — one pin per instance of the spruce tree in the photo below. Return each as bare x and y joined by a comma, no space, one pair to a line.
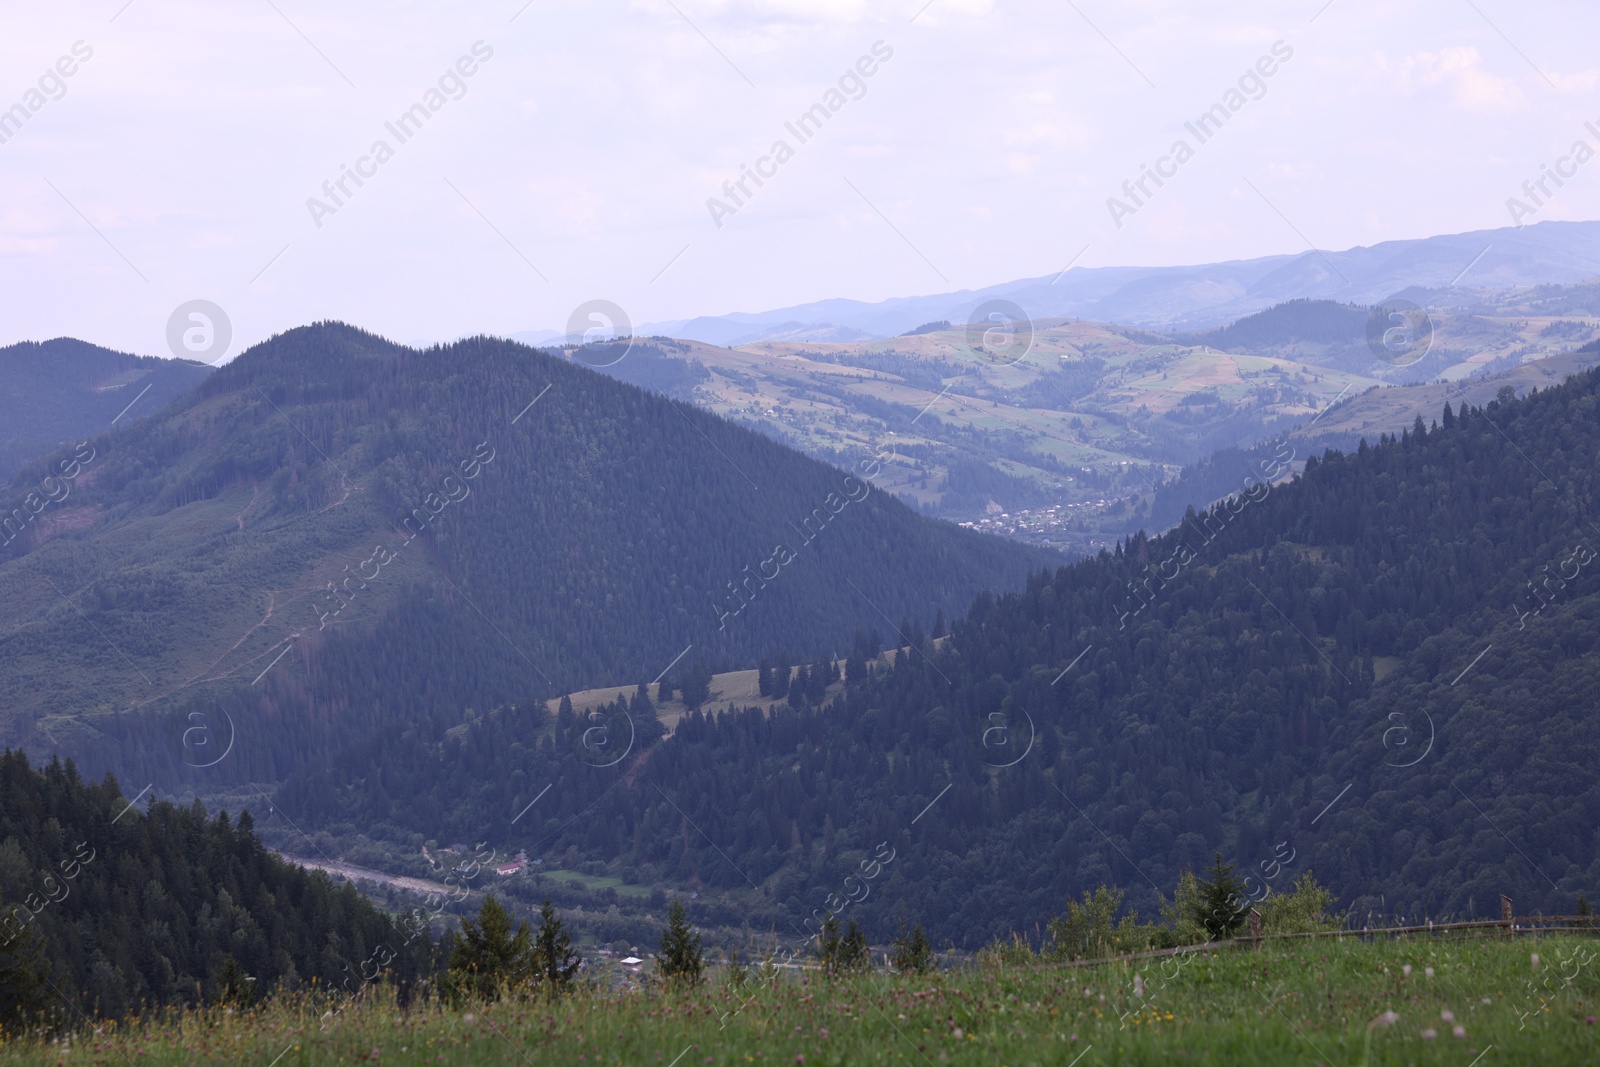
799,686
817,681
1221,908
911,953
24,974
489,956
841,954
647,724
554,959
680,961
233,985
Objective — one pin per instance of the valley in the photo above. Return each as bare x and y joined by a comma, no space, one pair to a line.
834,534
478,627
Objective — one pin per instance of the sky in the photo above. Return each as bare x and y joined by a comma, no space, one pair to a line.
594,150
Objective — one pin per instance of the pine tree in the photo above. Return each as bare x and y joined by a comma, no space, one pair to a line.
646,723
912,954
555,962
233,985
488,956
764,678
680,960
1221,909
817,681
855,955
695,683
24,974
798,685
841,954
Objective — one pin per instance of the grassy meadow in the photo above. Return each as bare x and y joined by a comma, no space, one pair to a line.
1420,1001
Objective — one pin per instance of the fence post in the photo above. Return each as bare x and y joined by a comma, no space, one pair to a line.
1505,912
1255,925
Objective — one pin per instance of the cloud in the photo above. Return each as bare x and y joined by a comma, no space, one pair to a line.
1061,133
1584,81
762,12
1292,171
1460,70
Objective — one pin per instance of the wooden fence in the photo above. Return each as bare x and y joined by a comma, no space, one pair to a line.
1508,925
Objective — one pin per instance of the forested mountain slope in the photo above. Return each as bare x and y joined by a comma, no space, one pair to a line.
108,906
1383,670
59,392
334,530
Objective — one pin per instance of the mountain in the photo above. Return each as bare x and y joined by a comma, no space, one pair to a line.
63,391
1317,321
1208,295
334,529
1078,442
1379,670
1093,415
132,908
1344,425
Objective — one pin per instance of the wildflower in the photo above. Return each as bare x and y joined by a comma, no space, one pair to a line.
1406,970
1388,1018
1138,986
1535,958
1460,1031
958,1035
1429,1034
1486,1000
469,1017
1074,1038
1447,1016
1428,971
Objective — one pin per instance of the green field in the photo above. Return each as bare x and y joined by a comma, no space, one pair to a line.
595,881
1295,1002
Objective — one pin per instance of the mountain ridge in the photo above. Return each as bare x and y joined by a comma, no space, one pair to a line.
484,518
1202,296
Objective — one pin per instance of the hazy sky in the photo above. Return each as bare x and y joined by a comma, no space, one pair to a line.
577,159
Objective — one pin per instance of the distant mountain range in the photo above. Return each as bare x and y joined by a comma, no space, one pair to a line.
1072,446
1187,298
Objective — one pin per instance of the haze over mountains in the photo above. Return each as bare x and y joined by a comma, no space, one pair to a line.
346,583
1070,445
1189,298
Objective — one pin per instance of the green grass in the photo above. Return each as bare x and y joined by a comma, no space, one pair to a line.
596,881
1300,1002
